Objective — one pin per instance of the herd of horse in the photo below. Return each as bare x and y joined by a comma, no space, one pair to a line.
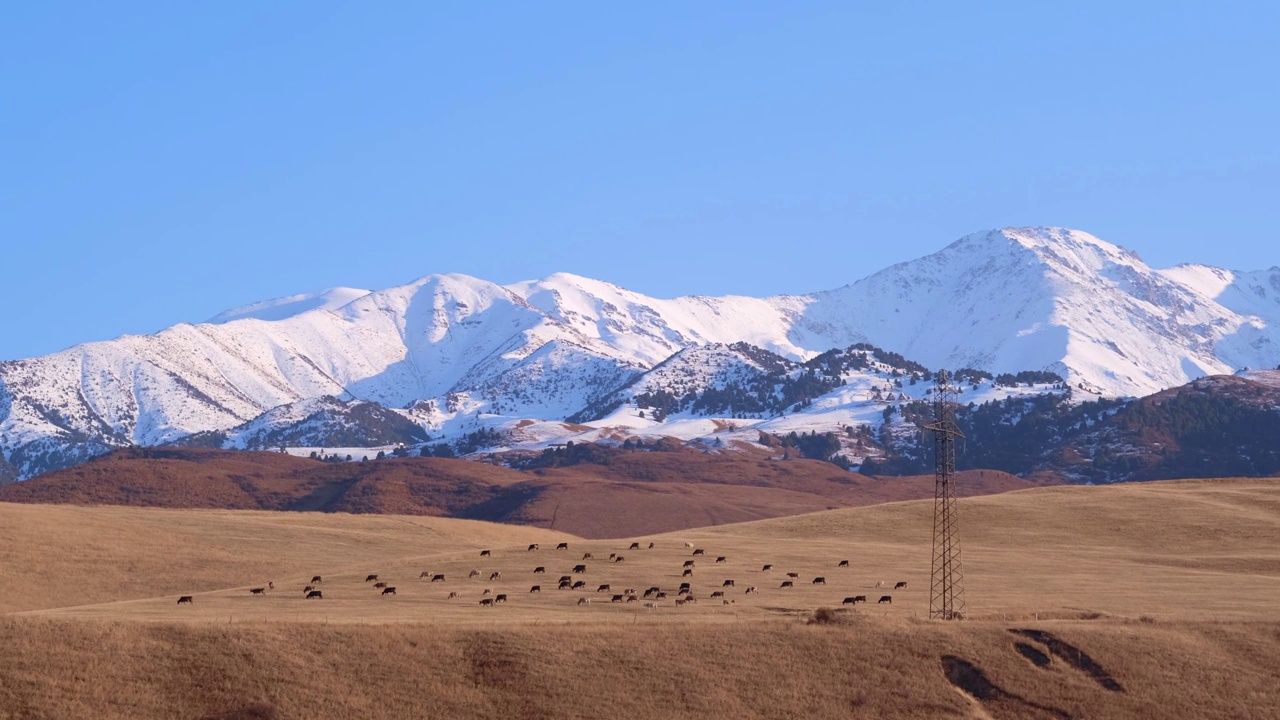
684,594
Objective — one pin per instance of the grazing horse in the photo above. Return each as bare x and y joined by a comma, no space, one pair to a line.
371,578
634,546
819,581
786,584
315,595
533,546
485,553
438,577
579,568
388,591
688,563
699,551
562,546
315,580
603,588
535,588
843,563
901,585
539,570
720,559
258,591
495,576
728,583
885,599
379,585
186,599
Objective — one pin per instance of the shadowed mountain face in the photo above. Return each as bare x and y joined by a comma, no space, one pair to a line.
1002,301
1222,426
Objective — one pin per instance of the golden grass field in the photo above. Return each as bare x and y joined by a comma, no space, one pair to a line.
1172,588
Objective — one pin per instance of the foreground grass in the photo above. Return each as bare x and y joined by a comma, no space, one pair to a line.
867,668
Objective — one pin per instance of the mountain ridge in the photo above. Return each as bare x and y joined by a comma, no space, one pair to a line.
1003,300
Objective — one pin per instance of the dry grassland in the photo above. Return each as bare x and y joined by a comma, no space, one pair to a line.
60,555
1170,587
869,669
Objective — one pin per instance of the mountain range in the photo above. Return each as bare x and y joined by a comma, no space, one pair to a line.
448,356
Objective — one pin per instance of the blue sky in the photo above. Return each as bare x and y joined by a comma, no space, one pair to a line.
159,163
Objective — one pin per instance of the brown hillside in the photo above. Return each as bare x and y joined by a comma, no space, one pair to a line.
635,493
867,669
1135,601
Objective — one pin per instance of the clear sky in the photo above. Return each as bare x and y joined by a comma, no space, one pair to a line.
160,163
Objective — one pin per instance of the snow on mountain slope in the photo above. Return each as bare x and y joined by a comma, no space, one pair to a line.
460,349
288,306
1249,338
1046,298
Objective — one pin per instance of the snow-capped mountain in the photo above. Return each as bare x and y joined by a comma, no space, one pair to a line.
449,349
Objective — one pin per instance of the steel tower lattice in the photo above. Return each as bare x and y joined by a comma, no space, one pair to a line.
946,592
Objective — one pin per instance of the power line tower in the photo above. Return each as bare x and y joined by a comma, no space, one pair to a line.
946,594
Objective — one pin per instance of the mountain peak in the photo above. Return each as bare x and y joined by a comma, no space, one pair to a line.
282,308
1052,239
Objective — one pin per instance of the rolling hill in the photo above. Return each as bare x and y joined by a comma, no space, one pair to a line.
634,493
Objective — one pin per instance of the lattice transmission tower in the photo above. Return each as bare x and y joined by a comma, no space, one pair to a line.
946,593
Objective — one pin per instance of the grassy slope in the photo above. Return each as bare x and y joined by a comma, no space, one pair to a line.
59,555
1179,578
873,668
